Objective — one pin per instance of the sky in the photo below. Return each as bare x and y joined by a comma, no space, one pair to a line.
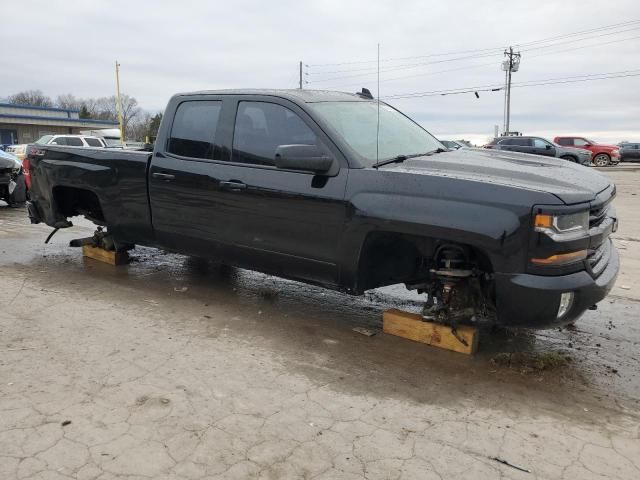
165,47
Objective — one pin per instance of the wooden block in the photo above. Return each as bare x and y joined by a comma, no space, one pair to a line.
106,256
413,327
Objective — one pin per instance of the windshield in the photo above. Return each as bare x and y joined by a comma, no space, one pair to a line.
356,122
44,139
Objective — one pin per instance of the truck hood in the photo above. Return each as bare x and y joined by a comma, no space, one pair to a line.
569,182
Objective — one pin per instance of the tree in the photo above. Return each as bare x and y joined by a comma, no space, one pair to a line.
84,111
106,109
144,126
154,125
31,97
69,102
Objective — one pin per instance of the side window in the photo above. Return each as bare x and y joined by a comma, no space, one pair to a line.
539,143
59,141
261,127
522,142
567,142
579,142
194,129
506,141
93,142
74,142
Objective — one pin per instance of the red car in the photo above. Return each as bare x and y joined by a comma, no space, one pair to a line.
601,155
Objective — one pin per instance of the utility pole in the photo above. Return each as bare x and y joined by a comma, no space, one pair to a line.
511,65
119,103
300,74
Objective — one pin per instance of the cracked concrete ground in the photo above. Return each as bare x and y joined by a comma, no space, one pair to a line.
122,373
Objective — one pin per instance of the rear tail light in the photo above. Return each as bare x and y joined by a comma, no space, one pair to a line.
26,172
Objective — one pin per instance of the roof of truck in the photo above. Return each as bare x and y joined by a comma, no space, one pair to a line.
308,96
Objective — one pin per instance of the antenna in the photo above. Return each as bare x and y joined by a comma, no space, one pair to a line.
378,123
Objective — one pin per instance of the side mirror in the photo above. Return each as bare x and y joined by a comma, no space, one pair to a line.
308,158
548,147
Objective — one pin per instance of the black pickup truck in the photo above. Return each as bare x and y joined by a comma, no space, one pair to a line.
310,186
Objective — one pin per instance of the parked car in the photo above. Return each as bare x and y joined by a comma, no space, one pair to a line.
602,155
296,183
87,141
12,185
452,144
630,152
540,146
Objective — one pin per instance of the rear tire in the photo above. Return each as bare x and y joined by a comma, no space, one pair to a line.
601,160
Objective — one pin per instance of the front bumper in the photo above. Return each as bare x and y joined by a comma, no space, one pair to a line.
532,301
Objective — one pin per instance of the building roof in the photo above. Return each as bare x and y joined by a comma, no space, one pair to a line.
36,107
67,122
33,115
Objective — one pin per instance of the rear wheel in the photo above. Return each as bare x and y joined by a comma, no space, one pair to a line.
601,160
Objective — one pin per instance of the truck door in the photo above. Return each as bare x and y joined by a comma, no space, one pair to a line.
184,179
286,222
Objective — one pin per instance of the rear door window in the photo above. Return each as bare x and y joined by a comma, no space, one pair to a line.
74,142
567,142
262,127
521,142
194,129
93,142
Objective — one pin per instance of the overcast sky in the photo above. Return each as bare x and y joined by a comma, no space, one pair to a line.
166,47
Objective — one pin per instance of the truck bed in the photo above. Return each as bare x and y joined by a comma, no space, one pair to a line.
108,186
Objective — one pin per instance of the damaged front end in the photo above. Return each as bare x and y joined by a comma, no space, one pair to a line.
12,185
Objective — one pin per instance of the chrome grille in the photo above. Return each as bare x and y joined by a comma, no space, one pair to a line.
597,214
599,258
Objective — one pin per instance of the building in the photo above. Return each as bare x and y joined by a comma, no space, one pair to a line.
26,124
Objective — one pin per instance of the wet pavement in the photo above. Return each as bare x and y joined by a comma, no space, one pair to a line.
172,367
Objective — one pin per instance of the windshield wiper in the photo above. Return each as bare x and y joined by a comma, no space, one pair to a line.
402,158
397,159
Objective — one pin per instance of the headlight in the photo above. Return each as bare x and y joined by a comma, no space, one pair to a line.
563,227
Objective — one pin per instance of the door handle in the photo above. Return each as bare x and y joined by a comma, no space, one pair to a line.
233,186
163,176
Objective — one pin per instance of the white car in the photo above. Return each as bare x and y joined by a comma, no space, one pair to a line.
72,141
87,141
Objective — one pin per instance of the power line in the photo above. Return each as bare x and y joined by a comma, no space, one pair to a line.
580,39
579,47
529,83
592,30
404,67
483,50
